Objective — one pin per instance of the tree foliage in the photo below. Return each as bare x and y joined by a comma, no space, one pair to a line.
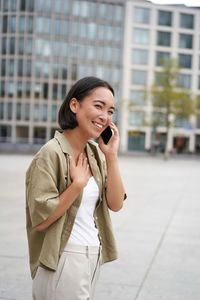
167,94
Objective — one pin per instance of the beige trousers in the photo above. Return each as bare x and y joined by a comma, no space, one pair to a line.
75,277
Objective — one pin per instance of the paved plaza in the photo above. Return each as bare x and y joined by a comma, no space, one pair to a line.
157,232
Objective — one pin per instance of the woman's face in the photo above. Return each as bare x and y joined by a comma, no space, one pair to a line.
94,112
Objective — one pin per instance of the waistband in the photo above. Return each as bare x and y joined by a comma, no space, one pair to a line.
82,249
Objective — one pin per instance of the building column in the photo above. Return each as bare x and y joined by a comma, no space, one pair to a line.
148,139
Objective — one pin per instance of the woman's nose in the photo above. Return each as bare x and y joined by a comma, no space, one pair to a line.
104,117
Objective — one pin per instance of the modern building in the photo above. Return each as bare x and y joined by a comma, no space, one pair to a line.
152,32
45,46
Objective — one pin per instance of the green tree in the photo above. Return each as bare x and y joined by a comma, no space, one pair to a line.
169,98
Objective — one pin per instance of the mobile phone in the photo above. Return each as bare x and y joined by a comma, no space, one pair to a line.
107,134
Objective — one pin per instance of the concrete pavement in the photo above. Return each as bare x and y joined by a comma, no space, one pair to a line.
157,232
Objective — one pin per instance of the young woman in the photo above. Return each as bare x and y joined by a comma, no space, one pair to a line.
71,184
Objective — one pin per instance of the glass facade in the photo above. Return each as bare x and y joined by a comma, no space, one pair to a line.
184,81
141,15
185,61
140,57
137,118
164,38
137,97
162,58
141,36
46,46
186,41
164,18
139,77
187,21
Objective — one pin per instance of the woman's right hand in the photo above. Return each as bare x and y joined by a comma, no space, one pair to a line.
79,173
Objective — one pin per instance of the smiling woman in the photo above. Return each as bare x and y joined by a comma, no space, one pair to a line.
71,184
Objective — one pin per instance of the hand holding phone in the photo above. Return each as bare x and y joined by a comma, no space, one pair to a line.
106,135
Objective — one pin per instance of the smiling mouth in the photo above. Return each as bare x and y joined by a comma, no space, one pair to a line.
98,125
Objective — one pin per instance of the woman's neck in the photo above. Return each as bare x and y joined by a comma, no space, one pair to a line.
77,141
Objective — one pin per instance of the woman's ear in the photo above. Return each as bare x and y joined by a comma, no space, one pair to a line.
74,104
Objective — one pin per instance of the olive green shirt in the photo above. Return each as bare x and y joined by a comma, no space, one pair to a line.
46,178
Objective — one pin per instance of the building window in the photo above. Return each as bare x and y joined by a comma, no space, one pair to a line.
55,91
19,89
102,10
139,77
141,15
74,72
21,46
54,113
5,5
36,112
30,24
3,67
44,112
43,25
1,110
141,36
22,24
5,24
4,45
37,90
136,118
19,111
186,21
11,89
62,7
28,68
10,110
2,89
45,90
185,41
55,71
12,46
29,46
185,61
11,68
12,24
162,58
164,18
63,91
163,38
28,89
27,111
140,57
137,98
22,5
160,78
118,13
184,81
20,67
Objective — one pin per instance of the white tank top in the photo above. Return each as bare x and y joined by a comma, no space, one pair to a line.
84,231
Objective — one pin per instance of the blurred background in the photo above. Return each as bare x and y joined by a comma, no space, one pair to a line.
46,46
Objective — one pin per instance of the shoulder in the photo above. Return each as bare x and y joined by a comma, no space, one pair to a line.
49,156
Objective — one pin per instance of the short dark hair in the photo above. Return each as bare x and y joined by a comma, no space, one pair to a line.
81,89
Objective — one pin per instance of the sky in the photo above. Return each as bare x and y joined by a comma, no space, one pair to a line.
186,2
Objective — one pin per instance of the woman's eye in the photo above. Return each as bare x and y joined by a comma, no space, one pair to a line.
98,106
111,112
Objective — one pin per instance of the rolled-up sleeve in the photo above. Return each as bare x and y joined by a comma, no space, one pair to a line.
41,190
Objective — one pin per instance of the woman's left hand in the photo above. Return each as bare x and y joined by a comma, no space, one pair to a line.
111,148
